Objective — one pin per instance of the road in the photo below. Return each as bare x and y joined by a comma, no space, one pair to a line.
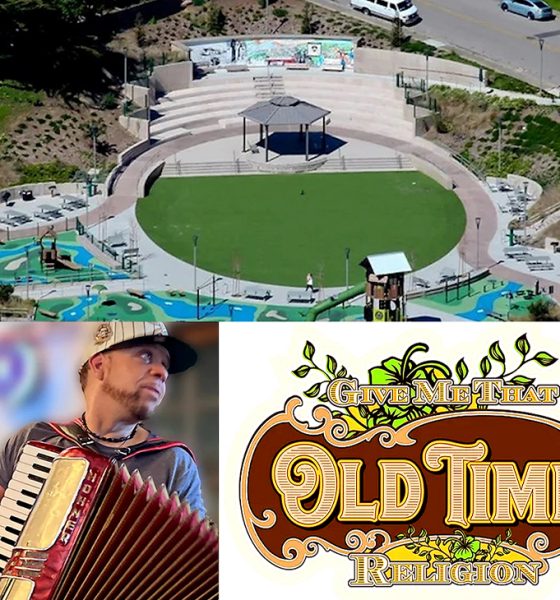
482,31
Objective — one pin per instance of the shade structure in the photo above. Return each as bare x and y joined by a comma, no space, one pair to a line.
283,111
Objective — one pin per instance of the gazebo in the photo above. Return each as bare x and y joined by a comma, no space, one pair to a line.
283,110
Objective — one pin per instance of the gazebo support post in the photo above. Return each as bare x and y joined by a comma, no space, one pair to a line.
306,142
244,135
324,137
266,144
260,133
300,130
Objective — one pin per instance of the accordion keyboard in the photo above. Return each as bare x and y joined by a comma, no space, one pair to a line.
27,481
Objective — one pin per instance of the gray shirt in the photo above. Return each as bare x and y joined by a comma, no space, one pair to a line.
173,467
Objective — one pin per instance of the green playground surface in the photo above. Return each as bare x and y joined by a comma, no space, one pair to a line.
276,228
20,261
489,299
174,305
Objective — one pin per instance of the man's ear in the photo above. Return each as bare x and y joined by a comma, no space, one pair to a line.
97,365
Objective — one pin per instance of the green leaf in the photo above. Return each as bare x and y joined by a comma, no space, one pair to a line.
545,359
363,411
342,373
302,371
522,380
401,536
309,350
410,546
423,533
485,366
331,364
522,345
496,353
461,369
323,398
313,390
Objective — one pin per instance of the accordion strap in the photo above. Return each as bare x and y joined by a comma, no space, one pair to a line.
74,432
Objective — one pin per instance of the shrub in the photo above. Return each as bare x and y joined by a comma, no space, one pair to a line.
280,13
109,101
52,171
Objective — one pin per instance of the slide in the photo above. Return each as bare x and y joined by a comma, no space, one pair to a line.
67,264
329,303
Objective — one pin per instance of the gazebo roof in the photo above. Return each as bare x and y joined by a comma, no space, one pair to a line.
284,110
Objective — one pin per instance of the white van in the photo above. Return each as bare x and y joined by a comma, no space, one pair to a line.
392,10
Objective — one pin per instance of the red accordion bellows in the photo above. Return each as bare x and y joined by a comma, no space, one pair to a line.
98,533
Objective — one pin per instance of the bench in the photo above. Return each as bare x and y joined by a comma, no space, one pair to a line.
258,293
236,68
300,296
332,68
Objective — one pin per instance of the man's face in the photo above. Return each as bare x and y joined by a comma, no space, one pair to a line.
135,378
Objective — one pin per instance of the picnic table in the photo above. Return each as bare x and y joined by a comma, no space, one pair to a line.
70,202
14,218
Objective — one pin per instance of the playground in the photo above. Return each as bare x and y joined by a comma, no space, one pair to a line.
486,300
54,257
173,305
489,299
275,228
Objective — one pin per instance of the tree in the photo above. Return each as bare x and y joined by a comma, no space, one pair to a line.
216,20
94,129
6,292
396,34
307,24
543,309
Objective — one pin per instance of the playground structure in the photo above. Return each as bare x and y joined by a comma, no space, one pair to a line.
385,295
50,257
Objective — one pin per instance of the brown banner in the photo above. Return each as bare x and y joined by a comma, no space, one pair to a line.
512,437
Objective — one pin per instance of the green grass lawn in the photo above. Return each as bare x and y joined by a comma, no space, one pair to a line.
279,227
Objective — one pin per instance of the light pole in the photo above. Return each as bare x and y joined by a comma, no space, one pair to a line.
347,255
477,221
195,247
525,216
427,76
88,290
541,46
125,66
27,273
499,147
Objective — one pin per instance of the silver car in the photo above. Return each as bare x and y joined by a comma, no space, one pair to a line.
532,9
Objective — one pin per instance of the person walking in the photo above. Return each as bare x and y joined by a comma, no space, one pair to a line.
309,282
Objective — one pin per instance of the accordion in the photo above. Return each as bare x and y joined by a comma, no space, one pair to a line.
76,526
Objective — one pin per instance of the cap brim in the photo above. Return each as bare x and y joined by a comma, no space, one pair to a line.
181,355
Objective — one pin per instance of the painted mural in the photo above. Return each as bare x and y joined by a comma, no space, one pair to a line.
318,53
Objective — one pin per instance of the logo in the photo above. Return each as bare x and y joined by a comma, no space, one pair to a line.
419,472
104,332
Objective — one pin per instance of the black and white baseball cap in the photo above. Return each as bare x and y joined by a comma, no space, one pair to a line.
112,335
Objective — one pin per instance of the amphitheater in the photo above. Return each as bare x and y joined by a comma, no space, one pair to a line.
195,129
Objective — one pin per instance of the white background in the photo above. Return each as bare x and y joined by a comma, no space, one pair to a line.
256,361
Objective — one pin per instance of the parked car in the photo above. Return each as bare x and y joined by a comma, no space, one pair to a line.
532,9
393,10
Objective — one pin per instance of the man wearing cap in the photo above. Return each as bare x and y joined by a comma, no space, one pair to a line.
123,378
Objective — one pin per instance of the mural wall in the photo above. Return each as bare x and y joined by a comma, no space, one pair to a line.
316,53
